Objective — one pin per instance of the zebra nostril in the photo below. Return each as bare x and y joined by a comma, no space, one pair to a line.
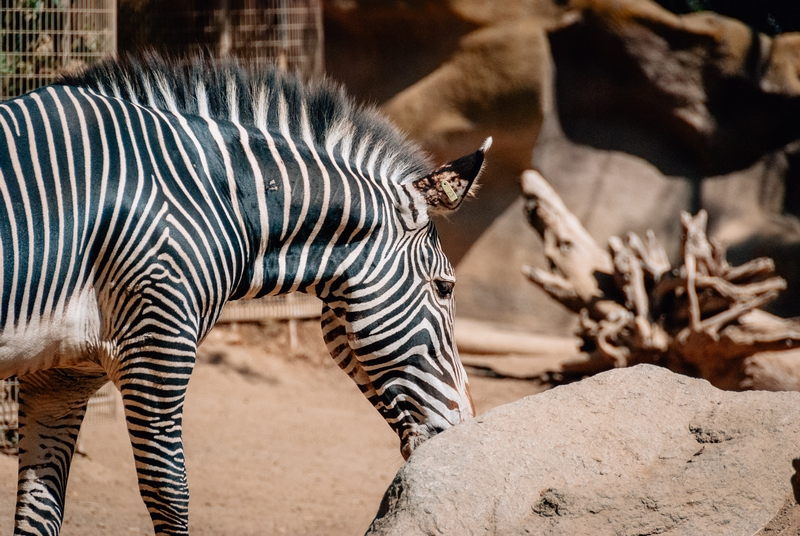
409,444
405,450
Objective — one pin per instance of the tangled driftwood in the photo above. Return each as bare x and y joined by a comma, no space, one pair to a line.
700,319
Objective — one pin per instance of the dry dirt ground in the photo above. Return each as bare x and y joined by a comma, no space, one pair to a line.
277,441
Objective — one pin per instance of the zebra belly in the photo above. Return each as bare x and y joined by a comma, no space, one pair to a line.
71,338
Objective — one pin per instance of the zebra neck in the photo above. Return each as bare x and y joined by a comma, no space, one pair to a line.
306,210
294,205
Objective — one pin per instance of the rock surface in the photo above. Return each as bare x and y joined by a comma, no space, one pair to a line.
645,114
633,451
491,85
651,114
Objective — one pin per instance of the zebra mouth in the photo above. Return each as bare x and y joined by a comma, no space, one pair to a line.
417,437
411,442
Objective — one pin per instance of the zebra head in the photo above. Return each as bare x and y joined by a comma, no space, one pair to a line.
393,331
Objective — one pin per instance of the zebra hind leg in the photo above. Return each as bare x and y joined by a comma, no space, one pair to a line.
52,404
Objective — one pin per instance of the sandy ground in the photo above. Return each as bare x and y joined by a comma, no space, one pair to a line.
277,442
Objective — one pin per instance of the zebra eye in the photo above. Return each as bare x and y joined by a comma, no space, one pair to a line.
444,288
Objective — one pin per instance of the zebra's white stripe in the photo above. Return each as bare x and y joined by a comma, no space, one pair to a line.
261,115
346,177
121,184
129,254
23,310
216,135
95,227
104,275
308,138
242,239
222,286
346,208
12,312
372,252
87,170
14,249
134,272
13,120
204,296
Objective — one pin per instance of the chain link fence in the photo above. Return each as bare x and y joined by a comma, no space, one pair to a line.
38,40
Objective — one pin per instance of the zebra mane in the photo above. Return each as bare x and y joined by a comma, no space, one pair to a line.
227,90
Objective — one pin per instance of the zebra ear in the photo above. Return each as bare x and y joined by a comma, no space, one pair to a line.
445,189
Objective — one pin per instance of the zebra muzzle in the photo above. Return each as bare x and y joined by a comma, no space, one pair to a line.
417,437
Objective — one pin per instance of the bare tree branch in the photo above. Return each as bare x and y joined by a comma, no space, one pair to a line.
701,318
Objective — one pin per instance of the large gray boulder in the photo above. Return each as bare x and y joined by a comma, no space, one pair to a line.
630,451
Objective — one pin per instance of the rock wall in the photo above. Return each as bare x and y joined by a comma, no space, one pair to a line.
492,84
651,114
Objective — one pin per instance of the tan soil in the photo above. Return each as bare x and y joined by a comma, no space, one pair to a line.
277,442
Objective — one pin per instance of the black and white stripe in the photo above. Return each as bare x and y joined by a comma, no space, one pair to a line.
138,197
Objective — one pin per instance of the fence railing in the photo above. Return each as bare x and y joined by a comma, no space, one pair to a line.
291,306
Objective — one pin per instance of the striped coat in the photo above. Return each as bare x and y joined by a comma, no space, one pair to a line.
138,197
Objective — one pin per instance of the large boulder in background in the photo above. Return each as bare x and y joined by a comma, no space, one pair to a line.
378,48
654,113
630,451
492,84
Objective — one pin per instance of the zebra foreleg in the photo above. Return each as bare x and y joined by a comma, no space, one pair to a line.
153,390
52,404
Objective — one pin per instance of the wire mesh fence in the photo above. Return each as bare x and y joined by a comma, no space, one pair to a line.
287,33
40,38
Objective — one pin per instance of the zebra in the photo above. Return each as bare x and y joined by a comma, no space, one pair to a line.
139,195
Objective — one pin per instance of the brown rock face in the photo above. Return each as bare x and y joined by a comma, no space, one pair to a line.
492,85
630,451
653,113
721,94
377,48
